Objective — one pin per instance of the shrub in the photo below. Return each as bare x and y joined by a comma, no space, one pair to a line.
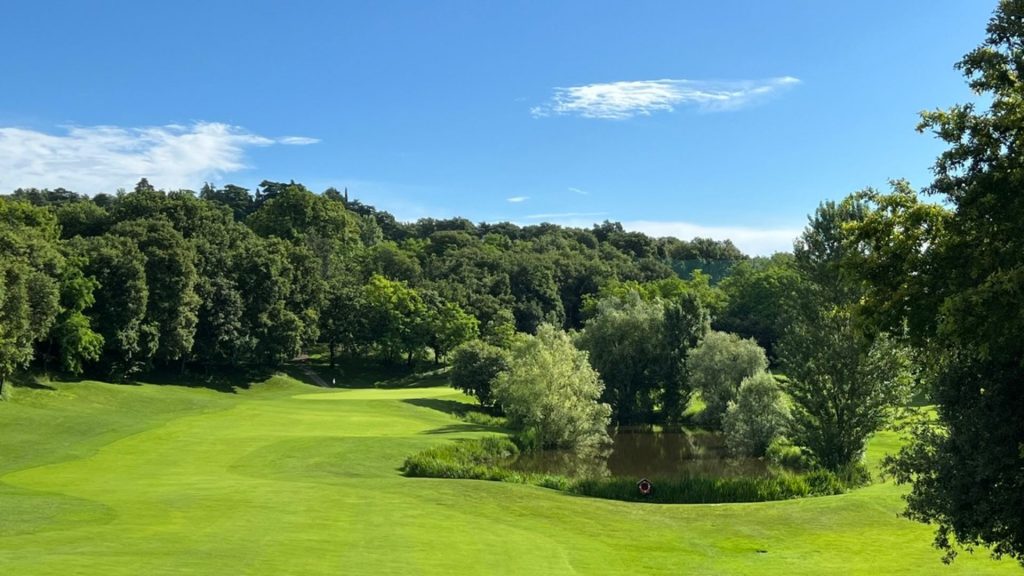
824,482
699,490
478,459
475,365
757,417
783,453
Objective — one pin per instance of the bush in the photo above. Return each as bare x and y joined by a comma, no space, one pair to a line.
701,490
824,482
477,459
757,417
550,393
475,365
854,475
783,453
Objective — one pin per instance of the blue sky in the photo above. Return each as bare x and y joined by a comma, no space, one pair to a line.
725,118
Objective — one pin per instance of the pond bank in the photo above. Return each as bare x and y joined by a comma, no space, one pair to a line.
492,457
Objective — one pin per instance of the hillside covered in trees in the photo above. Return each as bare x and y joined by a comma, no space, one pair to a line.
116,284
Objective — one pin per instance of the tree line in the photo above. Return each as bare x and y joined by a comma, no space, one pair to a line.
117,284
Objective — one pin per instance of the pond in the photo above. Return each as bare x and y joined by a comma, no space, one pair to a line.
643,453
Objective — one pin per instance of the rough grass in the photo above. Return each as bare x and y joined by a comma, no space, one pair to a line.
286,478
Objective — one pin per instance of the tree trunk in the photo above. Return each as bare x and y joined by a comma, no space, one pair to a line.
3,388
331,346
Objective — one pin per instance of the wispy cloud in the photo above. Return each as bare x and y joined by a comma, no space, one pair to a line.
95,159
754,241
620,100
298,140
560,215
518,199
578,191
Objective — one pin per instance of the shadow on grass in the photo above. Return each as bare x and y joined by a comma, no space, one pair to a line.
348,373
228,380
474,417
367,373
453,407
462,427
30,381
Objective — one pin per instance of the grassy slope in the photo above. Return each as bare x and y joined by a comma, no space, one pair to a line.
285,478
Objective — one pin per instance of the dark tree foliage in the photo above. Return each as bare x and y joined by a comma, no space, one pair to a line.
152,279
687,321
119,268
627,346
29,292
47,197
475,365
763,297
236,198
172,303
955,280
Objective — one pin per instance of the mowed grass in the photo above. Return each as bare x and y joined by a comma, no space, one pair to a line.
286,478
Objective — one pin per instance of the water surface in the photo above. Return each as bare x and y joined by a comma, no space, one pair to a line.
642,453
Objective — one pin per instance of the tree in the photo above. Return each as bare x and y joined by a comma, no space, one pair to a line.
763,297
29,298
532,284
265,272
390,261
821,250
234,197
718,365
345,318
447,326
397,317
475,365
172,304
965,466
119,268
687,322
500,329
844,388
758,416
551,394
72,334
626,344
81,219
220,332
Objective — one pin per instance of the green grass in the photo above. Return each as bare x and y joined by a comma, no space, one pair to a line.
286,478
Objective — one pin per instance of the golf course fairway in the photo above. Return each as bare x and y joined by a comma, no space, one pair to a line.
288,478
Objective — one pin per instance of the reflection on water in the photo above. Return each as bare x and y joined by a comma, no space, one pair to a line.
636,453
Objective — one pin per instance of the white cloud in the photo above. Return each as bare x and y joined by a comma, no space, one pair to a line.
619,100
753,241
96,159
578,191
518,199
298,140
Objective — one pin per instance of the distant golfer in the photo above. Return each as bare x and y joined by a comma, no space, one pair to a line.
333,382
